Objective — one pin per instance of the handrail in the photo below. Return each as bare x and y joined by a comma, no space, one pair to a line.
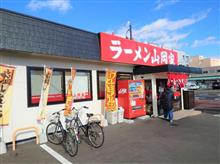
24,129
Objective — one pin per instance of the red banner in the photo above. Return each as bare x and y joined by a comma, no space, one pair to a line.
177,79
117,49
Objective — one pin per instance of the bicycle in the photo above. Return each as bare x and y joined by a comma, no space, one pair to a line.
56,134
92,129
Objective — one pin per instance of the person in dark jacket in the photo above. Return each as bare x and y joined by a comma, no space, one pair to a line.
169,103
163,103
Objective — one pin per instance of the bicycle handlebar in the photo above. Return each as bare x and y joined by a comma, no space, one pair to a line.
74,108
58,112
80,108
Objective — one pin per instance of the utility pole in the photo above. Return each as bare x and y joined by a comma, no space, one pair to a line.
130,29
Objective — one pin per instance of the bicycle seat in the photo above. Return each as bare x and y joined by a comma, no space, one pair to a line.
89,114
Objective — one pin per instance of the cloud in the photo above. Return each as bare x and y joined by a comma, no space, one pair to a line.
163,31
161,3
207,41
60,5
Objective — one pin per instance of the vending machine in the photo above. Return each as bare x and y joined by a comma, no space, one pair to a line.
131,96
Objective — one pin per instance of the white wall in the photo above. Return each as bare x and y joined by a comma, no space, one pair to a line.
21,115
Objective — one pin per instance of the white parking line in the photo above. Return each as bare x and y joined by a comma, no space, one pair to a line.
217,115
55,154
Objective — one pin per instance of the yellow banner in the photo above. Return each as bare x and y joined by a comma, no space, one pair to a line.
110,80
44,93
6,85
69,96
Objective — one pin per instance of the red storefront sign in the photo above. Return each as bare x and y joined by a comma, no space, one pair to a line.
177,79
117,49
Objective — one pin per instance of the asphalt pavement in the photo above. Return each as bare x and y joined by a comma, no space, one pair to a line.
195,140
208,101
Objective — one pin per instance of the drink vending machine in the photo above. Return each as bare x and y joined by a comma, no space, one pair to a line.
131,96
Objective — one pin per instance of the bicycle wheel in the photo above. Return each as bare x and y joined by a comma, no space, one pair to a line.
71,145
54,133
95,135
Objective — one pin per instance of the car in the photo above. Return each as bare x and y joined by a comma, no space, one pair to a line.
192,87
202,86
216,85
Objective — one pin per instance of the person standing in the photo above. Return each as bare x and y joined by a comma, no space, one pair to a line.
163,102
169,103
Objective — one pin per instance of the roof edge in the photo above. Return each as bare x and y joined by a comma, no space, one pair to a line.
44,20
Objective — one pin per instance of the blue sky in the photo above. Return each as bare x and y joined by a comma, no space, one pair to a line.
192,26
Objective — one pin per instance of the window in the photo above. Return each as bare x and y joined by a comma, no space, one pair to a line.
82,85
218,70
205,71
101,82
124,76
34,84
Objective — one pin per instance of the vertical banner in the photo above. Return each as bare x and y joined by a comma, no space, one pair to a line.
69,96
6,85
44,93
110,81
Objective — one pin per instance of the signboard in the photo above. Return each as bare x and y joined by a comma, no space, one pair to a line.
117,49
110,80
177,79
6,84
69,97
44,93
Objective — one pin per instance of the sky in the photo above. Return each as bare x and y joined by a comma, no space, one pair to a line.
192,26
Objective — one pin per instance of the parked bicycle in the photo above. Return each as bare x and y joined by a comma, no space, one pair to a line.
56,134
91,129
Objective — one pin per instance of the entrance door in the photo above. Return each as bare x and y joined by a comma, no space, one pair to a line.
148,93
160,84
177,98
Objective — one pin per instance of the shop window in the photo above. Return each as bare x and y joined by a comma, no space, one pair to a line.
82,85
124,76
34,83
101,84
101,81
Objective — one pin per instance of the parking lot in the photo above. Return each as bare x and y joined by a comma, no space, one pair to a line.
194,140
207,100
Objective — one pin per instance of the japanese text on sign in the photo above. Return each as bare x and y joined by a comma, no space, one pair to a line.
6,84
122,50
110,103
69,96
177,79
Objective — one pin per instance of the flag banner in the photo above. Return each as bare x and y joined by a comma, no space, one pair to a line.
69,96
110,81
44,93
175,79
7,74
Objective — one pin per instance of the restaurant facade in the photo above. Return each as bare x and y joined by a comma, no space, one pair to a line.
29,44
